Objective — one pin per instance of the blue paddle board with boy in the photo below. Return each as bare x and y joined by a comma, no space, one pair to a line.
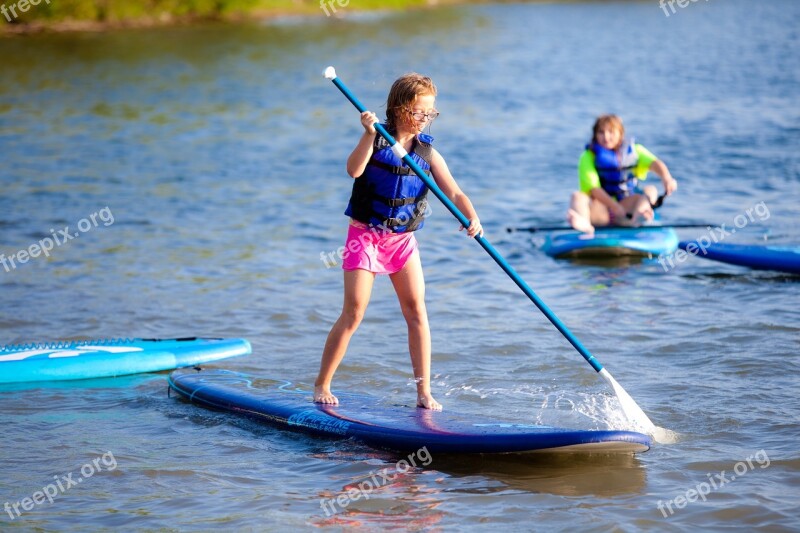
386,425
610,172
612,241
611,199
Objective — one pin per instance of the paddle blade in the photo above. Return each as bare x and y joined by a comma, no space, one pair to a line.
634,413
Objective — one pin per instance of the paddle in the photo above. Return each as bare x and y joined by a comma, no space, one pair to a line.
629,407
536,229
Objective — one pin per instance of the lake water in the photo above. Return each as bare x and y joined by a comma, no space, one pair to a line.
212,159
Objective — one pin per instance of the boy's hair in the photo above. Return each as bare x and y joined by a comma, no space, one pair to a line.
608,120
404,92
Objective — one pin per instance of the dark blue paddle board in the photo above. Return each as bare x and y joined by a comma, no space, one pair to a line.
647,241
379,424
86,359
780,258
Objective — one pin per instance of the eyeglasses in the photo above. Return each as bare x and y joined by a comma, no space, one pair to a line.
419,115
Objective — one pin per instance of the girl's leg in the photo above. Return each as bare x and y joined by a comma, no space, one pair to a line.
579,214
409,284
639,206
599,214
357,290
651,193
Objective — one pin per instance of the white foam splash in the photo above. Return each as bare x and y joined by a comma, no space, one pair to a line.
549,406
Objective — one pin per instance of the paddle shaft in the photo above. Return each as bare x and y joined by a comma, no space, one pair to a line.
508,269
536,229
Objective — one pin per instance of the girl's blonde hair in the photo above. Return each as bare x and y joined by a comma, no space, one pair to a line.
404,93
604,121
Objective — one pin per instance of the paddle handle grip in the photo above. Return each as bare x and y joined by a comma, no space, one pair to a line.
507,268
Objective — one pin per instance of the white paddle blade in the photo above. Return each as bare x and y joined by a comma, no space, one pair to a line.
631,408
329,73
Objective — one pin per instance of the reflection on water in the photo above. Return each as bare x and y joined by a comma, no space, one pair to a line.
604,261
561,474
119,382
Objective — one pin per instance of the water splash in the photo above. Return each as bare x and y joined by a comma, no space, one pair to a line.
550,406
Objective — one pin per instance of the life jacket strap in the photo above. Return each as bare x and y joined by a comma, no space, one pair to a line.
399,202
393,202
422,207
413,224
400,171
630,167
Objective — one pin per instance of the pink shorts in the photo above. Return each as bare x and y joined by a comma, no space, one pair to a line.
376,250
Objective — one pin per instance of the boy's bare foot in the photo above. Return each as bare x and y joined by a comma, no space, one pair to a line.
426,401
322,394
645,212
579,222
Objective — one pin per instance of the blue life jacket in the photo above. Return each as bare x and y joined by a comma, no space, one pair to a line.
616,171
389,194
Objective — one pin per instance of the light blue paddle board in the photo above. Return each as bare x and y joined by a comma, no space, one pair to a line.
647,241
114,357
382,424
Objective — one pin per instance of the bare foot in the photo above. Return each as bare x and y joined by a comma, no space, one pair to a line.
426,401
579,222
646,213
322,394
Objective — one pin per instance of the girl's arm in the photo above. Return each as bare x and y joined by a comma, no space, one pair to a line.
661,170
447,183
359,158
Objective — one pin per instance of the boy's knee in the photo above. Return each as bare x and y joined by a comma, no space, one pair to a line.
579,196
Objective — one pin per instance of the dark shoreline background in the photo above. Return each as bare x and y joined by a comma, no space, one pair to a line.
22,17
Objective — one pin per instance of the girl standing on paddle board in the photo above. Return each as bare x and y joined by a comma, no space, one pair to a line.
608,172
387,205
